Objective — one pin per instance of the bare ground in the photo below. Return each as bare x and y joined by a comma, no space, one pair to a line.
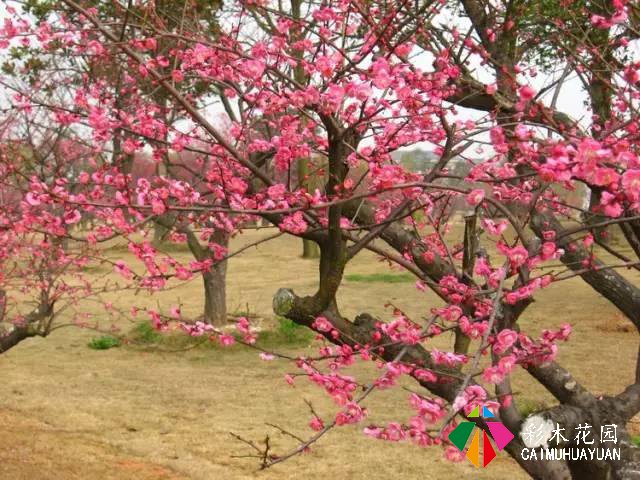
69,412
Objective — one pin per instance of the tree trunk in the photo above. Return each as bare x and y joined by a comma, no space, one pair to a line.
215,284
214,280
11,337
600,96
160,232
310,249
14,337
215,301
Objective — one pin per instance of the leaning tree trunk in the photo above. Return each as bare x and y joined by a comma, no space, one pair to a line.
30,327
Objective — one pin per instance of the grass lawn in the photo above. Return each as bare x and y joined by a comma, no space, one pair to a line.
135,412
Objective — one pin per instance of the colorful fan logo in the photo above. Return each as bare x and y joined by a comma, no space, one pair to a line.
500,434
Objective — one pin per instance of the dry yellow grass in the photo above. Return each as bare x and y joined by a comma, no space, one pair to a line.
69,412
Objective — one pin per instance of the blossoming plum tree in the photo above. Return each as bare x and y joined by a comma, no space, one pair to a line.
42,264
379,77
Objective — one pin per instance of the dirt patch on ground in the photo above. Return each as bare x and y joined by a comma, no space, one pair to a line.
69,412
33,449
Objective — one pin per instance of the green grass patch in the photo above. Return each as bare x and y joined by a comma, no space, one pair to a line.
286,332
636,440
166,246
105,342
144,333
174,247
380,277
529,407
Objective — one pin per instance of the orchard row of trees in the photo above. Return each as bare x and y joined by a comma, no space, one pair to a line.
291,112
